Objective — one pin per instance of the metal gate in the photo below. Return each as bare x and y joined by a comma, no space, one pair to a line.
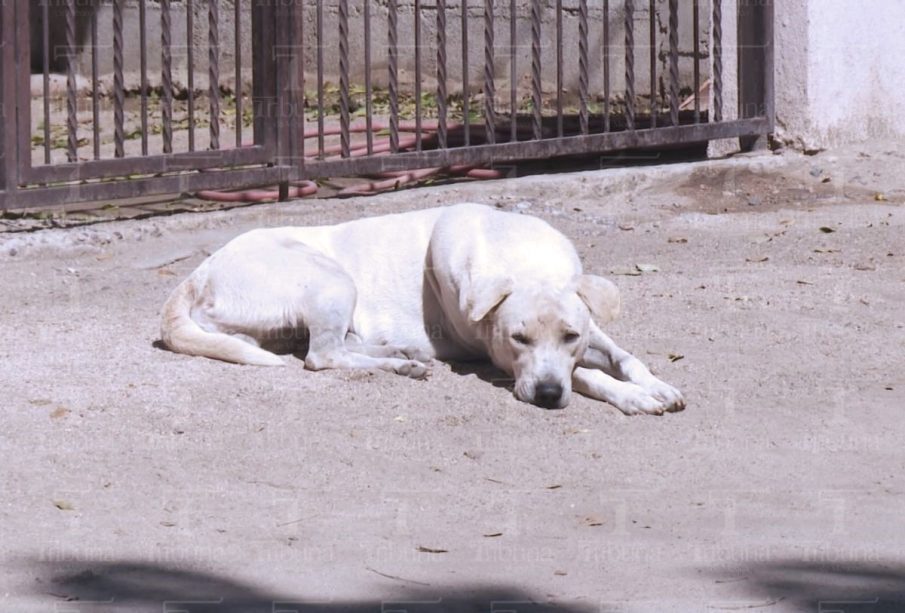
352,87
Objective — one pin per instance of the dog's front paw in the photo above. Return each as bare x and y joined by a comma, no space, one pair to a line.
668,395
640,402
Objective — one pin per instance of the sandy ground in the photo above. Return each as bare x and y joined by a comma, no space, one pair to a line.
134,479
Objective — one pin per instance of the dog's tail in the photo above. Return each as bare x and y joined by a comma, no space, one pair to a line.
182,334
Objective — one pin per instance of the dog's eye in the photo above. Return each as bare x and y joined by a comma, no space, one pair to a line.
571,337
521,339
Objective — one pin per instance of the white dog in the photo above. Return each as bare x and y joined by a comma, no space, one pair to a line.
462,282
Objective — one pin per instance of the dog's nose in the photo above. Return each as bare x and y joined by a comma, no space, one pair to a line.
547,395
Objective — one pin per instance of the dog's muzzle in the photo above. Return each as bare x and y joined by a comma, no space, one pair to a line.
548,395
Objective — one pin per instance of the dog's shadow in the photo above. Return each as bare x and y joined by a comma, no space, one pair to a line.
296,345
485,371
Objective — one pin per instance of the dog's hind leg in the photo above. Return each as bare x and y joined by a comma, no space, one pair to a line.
356,345
328,322
327,350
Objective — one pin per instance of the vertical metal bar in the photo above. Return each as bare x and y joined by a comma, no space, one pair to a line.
368,120
320,78
265,62
418,112
696,17
630,64
489,87
282,63
537,100
466,122
45,46
213,54
559,76
11,142
237,41
166,74
393,51
513,75
674,62
441,73
72,120
143,63
606,65
344,78
95,101
583,66
118,93
755,68
717,60
290,80
297,92
653,63
190,67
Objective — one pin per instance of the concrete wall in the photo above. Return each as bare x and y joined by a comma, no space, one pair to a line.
840,74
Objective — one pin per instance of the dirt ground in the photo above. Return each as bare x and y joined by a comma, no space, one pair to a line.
134,479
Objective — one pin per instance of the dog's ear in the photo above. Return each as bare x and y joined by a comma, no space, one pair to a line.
601,296
482,296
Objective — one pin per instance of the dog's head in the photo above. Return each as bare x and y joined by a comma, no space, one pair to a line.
538,333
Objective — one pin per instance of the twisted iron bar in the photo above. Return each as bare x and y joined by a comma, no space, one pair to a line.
118,93
717,60
583,65
466,111
166,76
537,101
213,50
674,62
489,87
606,65
696,18
392,51
630,64
71,102
190,62
344,76
654,89
441,73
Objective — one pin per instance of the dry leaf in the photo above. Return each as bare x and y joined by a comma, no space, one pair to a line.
430,550
59,412
63,505
880,197
826,229
647,268
166,272
675,357
626,273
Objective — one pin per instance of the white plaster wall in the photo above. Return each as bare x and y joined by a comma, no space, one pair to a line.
840,71
856,80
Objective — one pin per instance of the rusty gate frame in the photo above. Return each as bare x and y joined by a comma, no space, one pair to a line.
278,154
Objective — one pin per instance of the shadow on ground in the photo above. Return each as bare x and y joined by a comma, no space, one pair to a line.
827,586
114,587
